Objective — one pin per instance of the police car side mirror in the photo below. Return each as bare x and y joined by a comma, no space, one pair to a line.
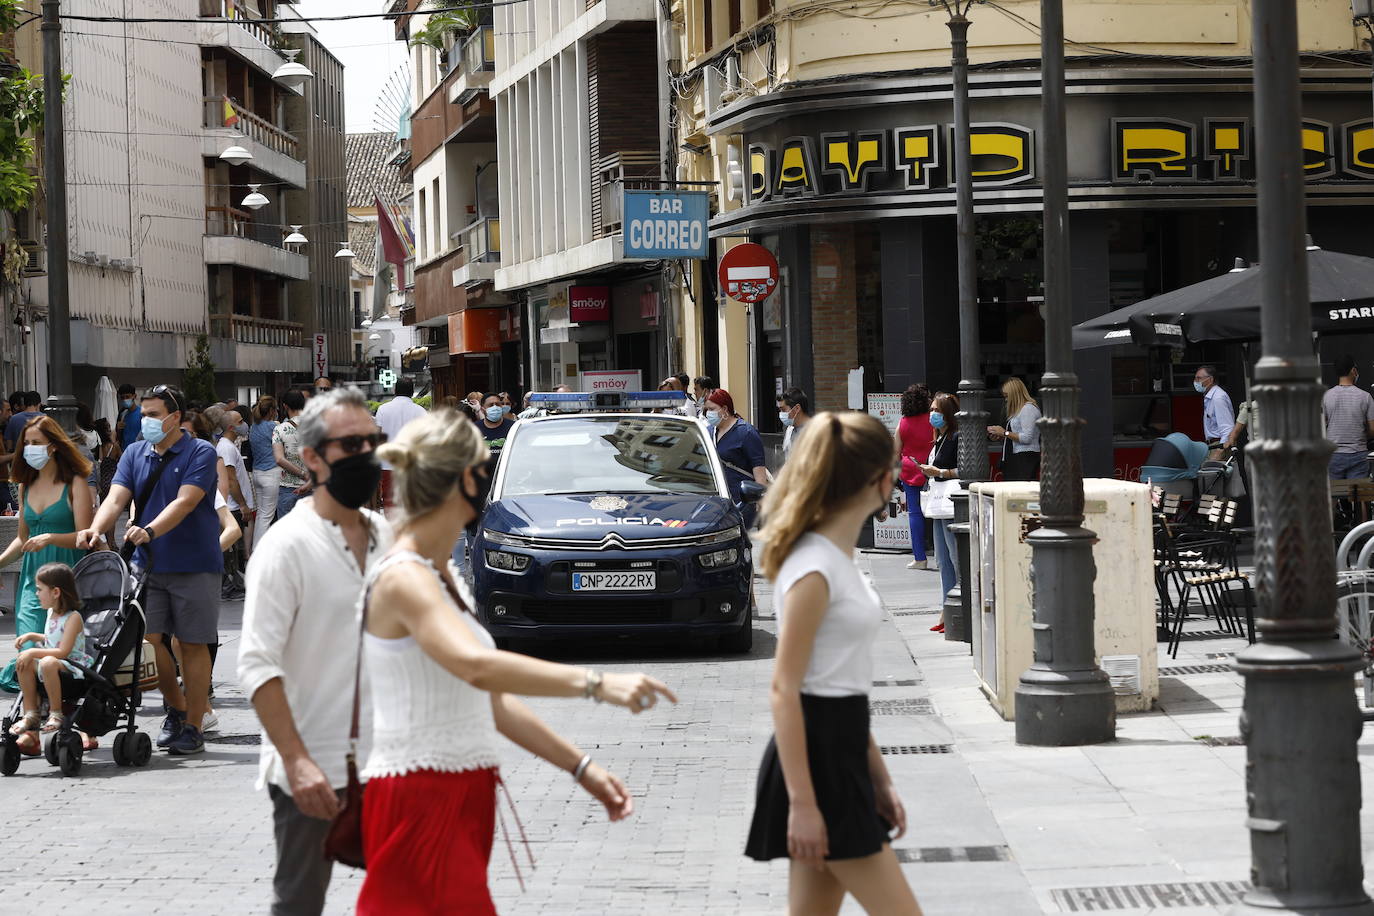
751,491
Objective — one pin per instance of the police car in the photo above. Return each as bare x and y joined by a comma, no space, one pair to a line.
608,520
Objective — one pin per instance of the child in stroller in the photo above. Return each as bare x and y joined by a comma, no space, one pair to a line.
62,643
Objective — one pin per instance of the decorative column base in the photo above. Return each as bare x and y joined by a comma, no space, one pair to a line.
1292,822
958,615
1058,705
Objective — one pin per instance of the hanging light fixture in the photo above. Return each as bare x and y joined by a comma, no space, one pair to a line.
344,251
365,323
255,200
236,154
292,74
374,336
295,238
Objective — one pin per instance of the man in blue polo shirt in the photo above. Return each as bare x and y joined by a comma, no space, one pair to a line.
179,522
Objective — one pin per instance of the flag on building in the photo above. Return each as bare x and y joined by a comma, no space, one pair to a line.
231,115
398,242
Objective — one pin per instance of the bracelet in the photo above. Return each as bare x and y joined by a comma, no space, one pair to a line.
581,767
149,529
593,685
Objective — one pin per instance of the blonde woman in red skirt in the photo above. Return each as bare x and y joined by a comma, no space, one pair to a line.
442,693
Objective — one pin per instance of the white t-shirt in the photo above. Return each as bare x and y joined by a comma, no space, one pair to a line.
233,460
842,657
395,415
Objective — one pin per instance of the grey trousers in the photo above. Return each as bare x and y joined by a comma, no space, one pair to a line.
302,877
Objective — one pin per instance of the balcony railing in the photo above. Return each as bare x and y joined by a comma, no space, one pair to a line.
479,50
240,224
256,128
615,173
481,241
246,329
228,9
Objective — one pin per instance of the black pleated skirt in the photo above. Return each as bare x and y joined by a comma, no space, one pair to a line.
837,750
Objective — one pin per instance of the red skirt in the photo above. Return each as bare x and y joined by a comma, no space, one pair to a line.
427,836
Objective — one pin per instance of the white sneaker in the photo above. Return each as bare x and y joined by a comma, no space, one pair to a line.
210,723
916,564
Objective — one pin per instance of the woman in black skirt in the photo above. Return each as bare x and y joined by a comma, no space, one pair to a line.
825,799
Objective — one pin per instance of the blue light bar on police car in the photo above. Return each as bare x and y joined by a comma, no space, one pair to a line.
608,400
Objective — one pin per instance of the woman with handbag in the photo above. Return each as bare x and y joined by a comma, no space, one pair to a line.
915,436
1021,436
441,692
943,474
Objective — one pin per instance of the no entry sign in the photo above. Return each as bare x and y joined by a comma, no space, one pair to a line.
748,273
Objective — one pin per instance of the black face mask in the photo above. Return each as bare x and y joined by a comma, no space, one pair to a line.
353,480
481,476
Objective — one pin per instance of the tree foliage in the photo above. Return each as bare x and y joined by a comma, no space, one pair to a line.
439,25
200,374
21,113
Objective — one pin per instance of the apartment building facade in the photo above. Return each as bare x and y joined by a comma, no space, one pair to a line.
170,238
468,332
827,133
577,88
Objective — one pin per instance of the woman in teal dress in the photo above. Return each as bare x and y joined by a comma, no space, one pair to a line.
56,502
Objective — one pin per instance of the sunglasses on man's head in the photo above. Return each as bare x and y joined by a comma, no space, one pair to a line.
352,445
164,393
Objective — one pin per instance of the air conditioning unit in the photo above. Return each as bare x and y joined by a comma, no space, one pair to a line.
36,263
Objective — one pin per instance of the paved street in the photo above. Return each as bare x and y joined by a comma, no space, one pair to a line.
997,829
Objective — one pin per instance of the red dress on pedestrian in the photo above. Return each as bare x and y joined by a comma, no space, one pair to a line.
430,807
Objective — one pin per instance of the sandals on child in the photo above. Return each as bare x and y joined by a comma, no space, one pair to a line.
29,723
54,723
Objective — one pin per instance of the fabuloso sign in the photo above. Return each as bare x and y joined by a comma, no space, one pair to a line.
611,380
665,224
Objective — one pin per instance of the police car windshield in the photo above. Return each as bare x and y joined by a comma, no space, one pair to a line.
595,454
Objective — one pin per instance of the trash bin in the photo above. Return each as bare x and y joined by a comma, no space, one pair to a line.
1118,512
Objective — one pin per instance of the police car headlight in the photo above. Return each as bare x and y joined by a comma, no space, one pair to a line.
721,537
719,558
496,537
507,562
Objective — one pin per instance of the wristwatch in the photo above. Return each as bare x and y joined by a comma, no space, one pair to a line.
149,529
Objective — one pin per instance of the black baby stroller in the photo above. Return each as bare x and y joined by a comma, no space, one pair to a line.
111,690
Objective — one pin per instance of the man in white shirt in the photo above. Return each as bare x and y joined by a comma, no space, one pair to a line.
301,638
392,417
226,424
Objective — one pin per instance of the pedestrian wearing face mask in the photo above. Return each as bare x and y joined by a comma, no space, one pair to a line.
231,430
740,448
495,425
300,641
171,480
794,411
128,426
392,417
55,503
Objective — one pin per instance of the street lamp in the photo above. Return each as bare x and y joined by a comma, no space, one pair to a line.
255,200
1063,698
236,154
973,450
344,251
62,401
292,74
295,237
1300,721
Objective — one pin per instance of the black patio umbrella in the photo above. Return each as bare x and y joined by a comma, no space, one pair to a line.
1341,287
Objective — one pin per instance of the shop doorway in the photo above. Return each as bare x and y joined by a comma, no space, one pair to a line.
636,351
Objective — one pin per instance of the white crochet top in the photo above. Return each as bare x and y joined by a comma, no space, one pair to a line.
423,716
